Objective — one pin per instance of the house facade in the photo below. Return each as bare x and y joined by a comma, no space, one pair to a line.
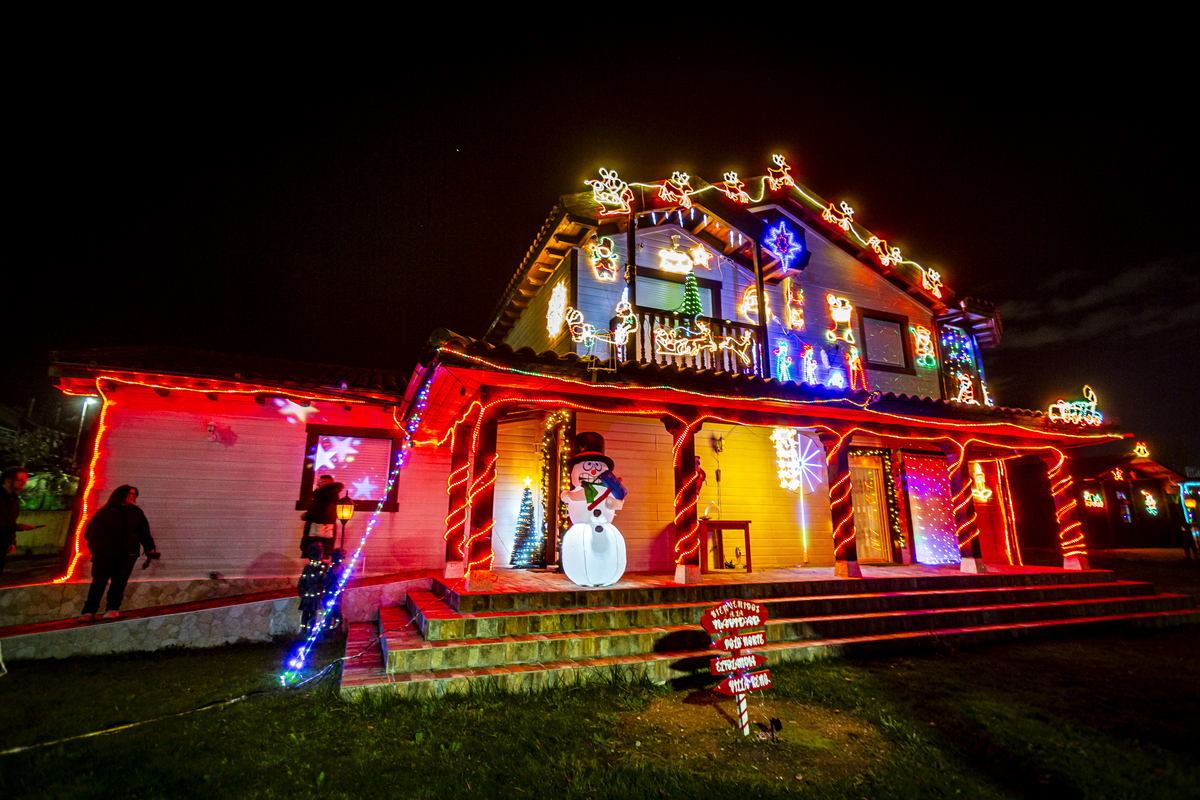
745,349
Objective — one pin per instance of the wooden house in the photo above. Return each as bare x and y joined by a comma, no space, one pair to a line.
773,383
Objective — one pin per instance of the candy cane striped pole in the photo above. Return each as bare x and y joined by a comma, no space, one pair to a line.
743,715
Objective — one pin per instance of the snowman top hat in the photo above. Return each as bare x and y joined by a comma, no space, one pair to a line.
589,446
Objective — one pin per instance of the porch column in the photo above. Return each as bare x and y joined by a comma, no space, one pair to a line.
687,494
841,507
456,487
481,495
1066,511
962,503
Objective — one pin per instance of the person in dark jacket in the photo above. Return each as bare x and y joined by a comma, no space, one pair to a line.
321,516
12,483
113,536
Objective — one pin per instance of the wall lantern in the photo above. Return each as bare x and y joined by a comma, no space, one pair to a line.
345,512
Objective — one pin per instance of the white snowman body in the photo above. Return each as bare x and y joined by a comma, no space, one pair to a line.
593,550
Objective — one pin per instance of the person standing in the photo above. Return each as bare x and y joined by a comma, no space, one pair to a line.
320,521
113,536
12,483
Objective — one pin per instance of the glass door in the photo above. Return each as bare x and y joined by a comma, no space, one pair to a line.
866,481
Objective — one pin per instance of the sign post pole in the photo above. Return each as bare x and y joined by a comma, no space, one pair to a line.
727,623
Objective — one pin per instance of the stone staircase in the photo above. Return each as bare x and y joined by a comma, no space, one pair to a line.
444,640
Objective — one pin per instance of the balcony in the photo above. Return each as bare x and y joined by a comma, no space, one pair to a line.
662,338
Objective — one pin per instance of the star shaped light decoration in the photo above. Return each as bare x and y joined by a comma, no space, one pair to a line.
294,411
781,242
343,448
364,489
322,458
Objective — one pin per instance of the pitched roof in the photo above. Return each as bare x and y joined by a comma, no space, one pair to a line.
194,364
577,217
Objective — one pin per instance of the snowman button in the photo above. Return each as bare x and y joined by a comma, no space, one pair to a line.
597,512
599,529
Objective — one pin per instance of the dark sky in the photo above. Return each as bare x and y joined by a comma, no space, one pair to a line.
341,214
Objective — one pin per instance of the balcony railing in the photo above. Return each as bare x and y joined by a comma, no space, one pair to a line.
665,338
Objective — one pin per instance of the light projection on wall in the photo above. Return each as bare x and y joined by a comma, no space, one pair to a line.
783,361
979,488
1077,412
612,193
734,189
922,341
294,411
1093,499
780,175
1150,503
799,460
1141,451
677,189
928,485
361,464
793,301
782,243
556,311
603,256
841,311
842,218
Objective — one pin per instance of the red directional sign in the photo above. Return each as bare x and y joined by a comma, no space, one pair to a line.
741,641
723,665
733,615
739,684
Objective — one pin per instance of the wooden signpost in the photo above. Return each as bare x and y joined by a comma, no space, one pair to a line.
728,624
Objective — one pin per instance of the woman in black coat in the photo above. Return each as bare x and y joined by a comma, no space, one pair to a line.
114,536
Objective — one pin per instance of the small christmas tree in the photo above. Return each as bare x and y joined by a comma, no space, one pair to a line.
527,543
692,306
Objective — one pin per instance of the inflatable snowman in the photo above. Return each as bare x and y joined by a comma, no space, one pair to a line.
593,550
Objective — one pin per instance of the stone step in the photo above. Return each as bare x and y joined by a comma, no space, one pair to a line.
769,587
367,668
437,621
668,665
406,651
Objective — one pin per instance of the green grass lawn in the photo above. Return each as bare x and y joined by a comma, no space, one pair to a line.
1105,717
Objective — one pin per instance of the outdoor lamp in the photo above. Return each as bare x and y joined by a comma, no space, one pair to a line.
345,511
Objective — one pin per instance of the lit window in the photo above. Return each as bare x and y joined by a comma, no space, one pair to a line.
666,294
358,458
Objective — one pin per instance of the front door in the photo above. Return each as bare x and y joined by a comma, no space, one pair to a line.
866,481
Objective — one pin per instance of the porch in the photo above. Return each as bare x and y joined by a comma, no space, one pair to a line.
537,629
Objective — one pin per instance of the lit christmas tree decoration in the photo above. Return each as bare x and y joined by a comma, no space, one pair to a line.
528,539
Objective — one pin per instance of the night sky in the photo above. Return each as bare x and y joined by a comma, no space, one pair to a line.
321,215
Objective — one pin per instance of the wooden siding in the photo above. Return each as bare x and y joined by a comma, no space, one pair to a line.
229,506
641,452
749,489
833,270
530,330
